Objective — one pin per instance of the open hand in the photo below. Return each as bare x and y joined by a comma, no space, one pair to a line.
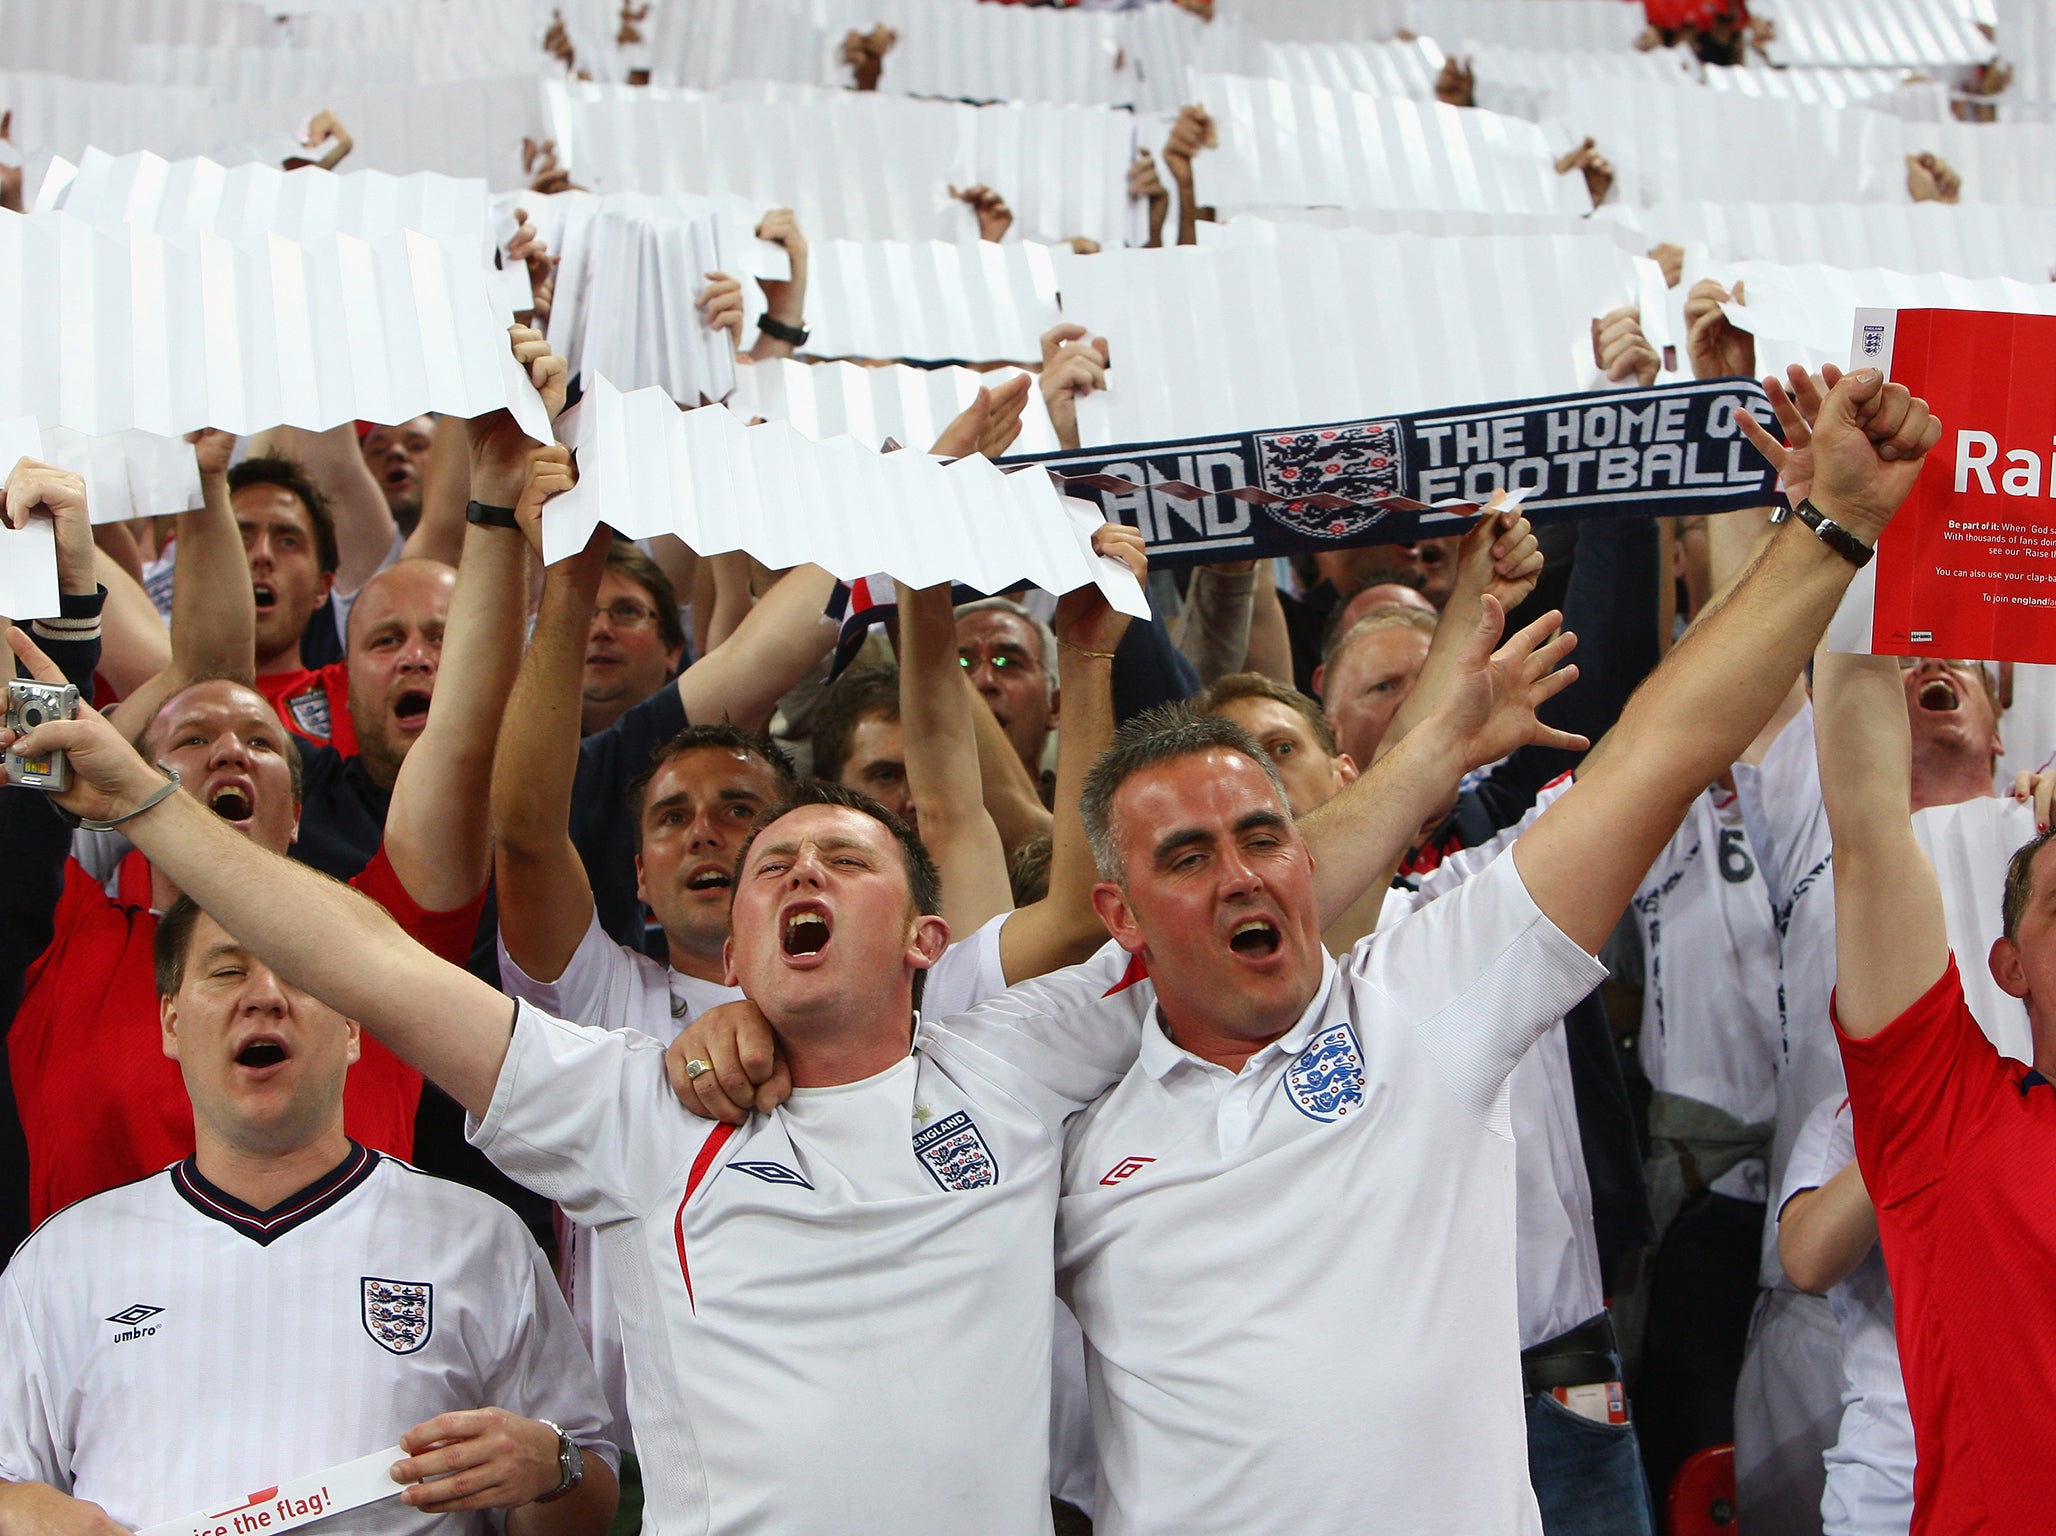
1795,407
989,424
1489,707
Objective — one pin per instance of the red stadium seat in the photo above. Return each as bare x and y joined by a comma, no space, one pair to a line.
1702,1495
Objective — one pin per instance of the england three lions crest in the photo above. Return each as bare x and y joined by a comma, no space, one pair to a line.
398,1314
955,1155
1326,1080
1359,461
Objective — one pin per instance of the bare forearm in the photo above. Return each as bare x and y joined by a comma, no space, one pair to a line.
1891,940
1731,542
729,581
1062,928
937,726
437,827
1824,1233
1270,643
1011,795
446,490
545,898
335,943
1213,628
135,646
1359,835
213,614
781,640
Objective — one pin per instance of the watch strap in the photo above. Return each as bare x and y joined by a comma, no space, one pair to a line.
1834,535
492,517
778,330
570,1464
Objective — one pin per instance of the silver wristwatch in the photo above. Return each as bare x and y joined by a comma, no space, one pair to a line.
570,1464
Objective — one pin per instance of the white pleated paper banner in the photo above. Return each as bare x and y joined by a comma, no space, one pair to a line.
1869,33
910,406
117,328
90,39
55,115
1304,144
1317,21
1967,239
933,301
242,72
647,468
1514,321
1815,87
1583,26
1806,314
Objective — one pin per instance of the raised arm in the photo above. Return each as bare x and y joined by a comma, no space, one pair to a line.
1891,943
1824,1233
1486,711
1715,691
317,933
1063,929
213,614
545,898
778,642
437,828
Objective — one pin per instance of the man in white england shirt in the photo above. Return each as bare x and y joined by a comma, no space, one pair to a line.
285,1301
840,1311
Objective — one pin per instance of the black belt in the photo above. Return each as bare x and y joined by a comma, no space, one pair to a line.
1581,1357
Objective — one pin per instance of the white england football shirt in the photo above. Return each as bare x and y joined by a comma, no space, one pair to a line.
169,1349
1870,1467
838,1315
1556,1251
610,986
1297,1281
1710,975
1968,845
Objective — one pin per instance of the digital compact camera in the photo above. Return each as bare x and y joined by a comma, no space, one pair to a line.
30,704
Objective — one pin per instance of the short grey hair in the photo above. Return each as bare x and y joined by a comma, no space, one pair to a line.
1043,632
1159,735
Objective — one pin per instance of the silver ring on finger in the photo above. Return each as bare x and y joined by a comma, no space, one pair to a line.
696,1069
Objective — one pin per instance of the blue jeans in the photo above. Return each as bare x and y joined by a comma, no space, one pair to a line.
1587,1476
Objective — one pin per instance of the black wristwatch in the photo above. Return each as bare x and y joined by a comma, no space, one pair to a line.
778,330
1829,532
492,517
570,1462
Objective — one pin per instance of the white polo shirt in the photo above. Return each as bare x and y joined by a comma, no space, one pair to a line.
168,1349
1870,1467
836,1317
1296,1282
1710,975
611,986
1967,844
1556,1251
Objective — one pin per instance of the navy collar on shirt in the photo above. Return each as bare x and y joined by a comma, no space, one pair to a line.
2033,1079
266,1227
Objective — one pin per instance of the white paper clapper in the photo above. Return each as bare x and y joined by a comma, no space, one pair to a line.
118,328
1860,33
450,40
2027,38
1063,170
231,71
1282,226
54,115
994,52
647,468
908,405
933,302
1964,239
1512,320
1816,87
1396,68
128,474
1805,314
28,556
641,324
708,43
1163,44
90,39
1304,144
1664,138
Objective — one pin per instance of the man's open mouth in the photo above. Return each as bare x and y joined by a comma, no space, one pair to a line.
265,594
709,880
261,1052
806,932
1938,694
231,802
411,706
1256,937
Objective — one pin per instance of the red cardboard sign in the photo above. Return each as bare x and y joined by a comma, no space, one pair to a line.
1968,567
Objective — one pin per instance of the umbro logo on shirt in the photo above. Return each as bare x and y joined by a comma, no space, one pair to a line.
132,1321
772,1173
1126,1168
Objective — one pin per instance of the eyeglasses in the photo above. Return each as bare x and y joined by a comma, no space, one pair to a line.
625,614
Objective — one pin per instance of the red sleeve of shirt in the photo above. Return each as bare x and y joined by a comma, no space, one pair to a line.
1917,1088
382,1092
